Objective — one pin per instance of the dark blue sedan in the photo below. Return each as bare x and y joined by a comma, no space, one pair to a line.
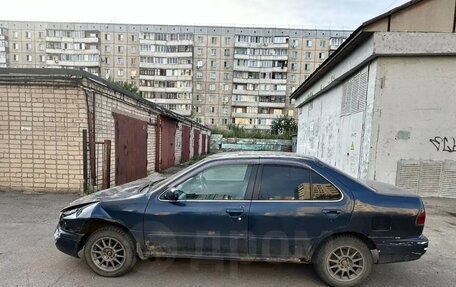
249,206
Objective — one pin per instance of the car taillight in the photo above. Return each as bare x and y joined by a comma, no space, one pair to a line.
421,218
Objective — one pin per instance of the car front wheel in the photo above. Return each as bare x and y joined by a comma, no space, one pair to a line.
344,261
110,251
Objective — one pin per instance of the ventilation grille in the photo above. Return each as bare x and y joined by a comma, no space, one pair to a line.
354,94
427,178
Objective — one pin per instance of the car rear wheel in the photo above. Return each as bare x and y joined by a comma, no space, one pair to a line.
110,251
344,261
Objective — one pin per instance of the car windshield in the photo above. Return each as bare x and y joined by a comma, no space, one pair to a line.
161,183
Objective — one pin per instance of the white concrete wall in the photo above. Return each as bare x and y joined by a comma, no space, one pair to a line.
178,144
415,96
340,140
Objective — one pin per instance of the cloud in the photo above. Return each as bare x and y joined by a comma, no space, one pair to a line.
276,13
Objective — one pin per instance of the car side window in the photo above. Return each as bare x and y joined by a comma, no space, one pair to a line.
226,182
280,182
322,189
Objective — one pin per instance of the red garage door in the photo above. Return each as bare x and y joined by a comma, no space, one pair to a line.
203,144
168,139
185,143
196,137
131,148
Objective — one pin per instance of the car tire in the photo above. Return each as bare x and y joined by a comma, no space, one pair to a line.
110,251
343,261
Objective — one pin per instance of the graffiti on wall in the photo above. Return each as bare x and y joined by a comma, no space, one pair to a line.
447,144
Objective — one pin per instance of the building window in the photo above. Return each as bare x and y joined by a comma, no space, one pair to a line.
199,87
212,121
133,61
309,43
120,37
308,56
227,40
225,121
200,39
199,51
214,40
212,109
213,64
120,49
293,78
15,34
42,58
199,64
199,75
198,109
41,47
28,35
16,58
108,37
213,76
29,58
28,46
120,61
322,43
226,76
213,52
132,38
321,56
294,67
226,87
294,54
227,52
15,46
108,49
120,72
41,35
212,87
295,43
307,67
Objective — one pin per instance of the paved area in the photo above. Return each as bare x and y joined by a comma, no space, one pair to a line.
28,256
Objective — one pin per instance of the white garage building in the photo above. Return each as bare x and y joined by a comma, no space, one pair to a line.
383,106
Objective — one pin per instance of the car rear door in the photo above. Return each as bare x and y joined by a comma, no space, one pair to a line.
292,208
210,218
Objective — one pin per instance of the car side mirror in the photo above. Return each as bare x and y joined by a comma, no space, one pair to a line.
171,194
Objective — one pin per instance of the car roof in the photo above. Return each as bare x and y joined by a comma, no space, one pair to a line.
260,154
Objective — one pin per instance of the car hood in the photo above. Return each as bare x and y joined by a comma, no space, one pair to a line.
123,191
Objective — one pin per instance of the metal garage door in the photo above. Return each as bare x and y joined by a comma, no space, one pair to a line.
168,139
203,144
196,143
185,143
131,148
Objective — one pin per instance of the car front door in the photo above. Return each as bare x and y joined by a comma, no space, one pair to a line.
292,207
210,216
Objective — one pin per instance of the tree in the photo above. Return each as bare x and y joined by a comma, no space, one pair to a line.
284,126
131,87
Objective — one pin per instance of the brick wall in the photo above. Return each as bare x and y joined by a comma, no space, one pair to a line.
41,138
108,102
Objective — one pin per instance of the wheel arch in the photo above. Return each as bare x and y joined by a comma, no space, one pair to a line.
369,243
94,224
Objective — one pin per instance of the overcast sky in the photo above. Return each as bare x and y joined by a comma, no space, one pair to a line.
347,14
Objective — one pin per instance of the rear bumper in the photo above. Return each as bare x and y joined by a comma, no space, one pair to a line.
67,242
400,250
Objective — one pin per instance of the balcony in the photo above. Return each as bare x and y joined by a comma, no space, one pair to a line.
244,104
167,43
73,52
258,69
244,92
261,45
165,89
272,93
171,101
59,63
166,78
260,57
165,66
167,54
271,104
73,40
246,81
255,116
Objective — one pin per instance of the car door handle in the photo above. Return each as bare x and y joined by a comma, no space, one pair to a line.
235,211
332,212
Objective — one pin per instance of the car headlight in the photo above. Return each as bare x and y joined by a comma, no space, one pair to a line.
74,211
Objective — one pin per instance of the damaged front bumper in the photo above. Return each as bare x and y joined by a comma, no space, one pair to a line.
67,242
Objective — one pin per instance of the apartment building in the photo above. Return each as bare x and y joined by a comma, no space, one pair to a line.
216,75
